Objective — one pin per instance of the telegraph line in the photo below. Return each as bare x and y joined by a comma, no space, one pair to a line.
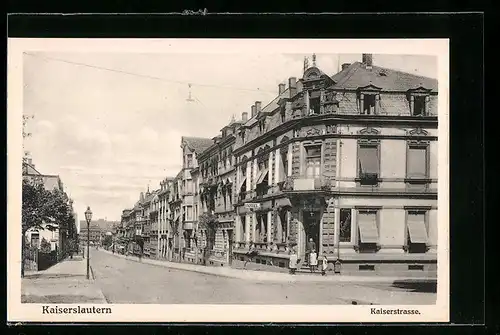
143,75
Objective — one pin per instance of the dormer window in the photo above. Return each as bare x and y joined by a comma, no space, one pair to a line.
189,160
369,100
419,105
419,101
262,125
369,105
242,135
314,103
282,113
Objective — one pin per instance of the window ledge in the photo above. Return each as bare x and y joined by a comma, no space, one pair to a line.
413,180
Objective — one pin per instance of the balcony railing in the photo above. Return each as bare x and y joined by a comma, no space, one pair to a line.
305,184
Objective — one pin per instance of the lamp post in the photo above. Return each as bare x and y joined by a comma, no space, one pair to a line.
88,217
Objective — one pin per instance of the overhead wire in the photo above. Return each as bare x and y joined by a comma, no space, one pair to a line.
144,75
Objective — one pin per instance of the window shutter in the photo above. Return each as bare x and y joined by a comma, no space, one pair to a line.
368,230
427,103
416,227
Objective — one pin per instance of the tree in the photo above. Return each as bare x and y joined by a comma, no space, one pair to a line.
45,246
209,223
107,241
43,209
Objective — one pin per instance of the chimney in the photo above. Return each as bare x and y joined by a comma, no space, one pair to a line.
253,110
258,107
367,60
281,88
244,116
345,65
292,85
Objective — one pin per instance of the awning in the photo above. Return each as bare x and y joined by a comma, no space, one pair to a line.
368,160
368,231
242,182
284,202
416,228
262,176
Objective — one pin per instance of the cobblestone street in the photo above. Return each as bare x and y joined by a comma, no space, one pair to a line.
126,281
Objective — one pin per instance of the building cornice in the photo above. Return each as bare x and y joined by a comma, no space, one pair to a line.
354,119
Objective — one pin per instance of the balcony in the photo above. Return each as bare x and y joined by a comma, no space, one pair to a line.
187,225
305,184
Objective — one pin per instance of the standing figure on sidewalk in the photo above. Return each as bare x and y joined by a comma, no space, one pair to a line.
324,265
313,260
292,264
252,252
310,247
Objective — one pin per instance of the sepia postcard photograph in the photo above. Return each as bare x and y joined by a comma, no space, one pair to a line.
228,180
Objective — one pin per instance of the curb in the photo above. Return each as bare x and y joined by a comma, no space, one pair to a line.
268,276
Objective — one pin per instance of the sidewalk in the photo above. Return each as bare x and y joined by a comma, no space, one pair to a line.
272,276
64,282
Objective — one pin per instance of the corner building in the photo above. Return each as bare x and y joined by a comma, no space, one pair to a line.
348,160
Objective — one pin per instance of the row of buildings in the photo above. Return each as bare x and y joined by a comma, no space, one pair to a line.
97,230
348,160
54,233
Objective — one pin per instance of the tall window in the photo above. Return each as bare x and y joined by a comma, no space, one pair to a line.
368,163
283,214
189,160
368,107
189,213
419,105
284,162
417,162
261,229
313,161
282,113
417,231
314,102
243,230
367,229
345,225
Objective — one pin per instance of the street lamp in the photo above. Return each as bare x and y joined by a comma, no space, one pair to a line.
88,217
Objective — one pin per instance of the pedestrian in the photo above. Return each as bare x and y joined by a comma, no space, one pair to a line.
324,265
313,260
293,262
310,247
252,252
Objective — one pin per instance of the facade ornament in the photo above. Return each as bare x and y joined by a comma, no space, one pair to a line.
368,131
331,129
311,132
417,132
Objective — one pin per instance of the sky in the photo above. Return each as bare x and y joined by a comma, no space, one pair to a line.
110,124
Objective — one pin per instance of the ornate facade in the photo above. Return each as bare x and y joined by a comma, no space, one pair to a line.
318,162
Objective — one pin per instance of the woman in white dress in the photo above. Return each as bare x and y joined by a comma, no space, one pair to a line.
313,260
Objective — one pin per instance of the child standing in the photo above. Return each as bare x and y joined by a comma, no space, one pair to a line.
313,260
292,264
324,265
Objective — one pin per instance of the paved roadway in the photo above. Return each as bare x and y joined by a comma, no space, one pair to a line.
126,281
